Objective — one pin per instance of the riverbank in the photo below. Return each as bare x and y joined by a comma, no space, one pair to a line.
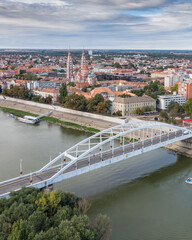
51,120
61,116
183,148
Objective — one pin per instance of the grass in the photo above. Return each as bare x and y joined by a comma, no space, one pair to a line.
50,119
17,112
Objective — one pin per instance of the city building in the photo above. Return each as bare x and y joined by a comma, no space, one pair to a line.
164,100
185,88
127,106
170,80
46,92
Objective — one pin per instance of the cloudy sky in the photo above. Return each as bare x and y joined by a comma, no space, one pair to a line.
107,24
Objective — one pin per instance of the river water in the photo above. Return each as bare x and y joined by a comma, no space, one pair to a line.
145,197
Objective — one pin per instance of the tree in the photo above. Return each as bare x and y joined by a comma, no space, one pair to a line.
20,231
102,227
174,88
76,102
124,95
36,98
62,93
84,89
117,65
164,115
173,105
48,203
51,234
48,99
30,76
188,107
23,93
139,93
103,107
17,92
39,221
72,84
153,89
0,89
12,67
118,113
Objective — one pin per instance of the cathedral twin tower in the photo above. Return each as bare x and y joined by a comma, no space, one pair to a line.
70,64
83,75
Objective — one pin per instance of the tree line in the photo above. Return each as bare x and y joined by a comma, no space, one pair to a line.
31,215
24,93
153,89
74,101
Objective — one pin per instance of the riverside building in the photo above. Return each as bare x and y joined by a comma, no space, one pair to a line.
164,100
127,106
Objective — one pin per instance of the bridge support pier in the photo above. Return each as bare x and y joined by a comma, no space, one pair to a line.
47,189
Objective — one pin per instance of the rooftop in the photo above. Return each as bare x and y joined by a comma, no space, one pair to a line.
134,99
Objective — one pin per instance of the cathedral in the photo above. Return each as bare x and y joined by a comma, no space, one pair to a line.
84,75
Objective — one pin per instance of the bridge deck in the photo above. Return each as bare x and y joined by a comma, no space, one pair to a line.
24,181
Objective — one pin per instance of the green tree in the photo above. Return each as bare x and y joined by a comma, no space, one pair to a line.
84,89
77,228
48,99
76,102
39,221
36,98
71,84
62,93
124,95
23,93
51,234
30,76
12,67
188,107
48,203
117,65
174,88
20,231
139,93
31,215
164,115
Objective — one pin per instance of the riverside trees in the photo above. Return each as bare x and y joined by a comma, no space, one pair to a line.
31,215
96,104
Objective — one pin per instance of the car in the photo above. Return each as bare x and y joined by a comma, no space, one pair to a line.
186,132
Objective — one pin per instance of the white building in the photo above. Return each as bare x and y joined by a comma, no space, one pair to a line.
164,100
170,80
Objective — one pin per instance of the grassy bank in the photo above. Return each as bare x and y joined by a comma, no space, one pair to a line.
50,119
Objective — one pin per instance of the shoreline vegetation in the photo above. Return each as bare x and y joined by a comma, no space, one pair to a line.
76,126
56,121
30,214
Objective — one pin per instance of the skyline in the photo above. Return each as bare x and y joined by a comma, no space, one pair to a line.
58,24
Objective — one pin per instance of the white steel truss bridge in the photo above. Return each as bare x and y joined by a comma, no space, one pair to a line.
104,148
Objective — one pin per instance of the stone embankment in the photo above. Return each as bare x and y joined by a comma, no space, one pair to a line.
67,115
182,147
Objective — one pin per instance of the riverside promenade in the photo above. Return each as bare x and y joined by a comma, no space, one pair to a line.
89,120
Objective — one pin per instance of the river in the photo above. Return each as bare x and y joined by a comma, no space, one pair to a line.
145,197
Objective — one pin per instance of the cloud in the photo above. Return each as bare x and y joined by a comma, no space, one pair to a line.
97,23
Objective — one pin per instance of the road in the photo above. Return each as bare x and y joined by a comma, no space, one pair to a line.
43,176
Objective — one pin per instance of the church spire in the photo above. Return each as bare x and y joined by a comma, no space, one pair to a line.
69,66
83,59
